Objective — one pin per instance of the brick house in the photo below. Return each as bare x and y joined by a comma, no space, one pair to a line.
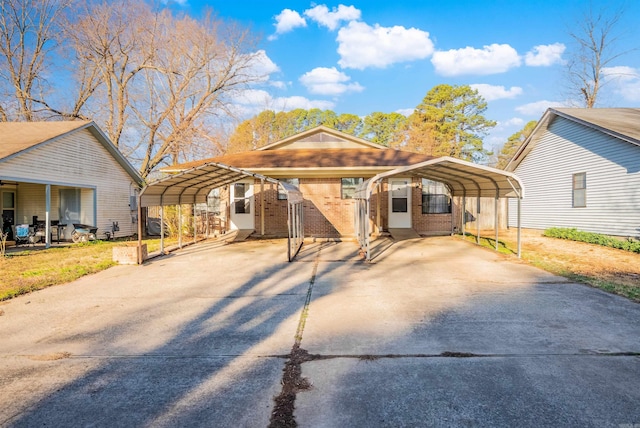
327,165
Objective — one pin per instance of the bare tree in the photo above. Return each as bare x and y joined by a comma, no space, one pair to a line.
27,38
164,81
597,43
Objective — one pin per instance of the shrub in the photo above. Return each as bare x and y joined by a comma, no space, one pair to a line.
573,234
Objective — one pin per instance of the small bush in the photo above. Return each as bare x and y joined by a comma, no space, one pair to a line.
573,234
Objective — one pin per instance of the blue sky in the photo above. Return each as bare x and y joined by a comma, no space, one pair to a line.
365,56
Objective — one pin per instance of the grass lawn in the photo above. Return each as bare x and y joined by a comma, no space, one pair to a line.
30,270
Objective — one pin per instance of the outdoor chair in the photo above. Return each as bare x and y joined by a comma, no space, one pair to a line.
22,234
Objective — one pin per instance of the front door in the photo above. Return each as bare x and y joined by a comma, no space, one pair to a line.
242,206
399,203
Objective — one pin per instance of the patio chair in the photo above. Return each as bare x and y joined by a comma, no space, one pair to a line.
22,234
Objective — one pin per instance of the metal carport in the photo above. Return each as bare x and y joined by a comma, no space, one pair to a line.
462,178
193,185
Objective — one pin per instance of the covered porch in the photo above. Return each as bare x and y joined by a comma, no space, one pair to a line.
44,212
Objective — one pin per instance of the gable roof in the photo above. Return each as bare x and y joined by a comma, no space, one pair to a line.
621,123
319,131
19,137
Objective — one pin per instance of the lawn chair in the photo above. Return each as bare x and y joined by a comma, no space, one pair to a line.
22,234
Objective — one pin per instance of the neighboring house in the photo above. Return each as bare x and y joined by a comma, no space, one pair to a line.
327,165
581,169
69,172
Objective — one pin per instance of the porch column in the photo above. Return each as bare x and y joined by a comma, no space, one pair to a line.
47,228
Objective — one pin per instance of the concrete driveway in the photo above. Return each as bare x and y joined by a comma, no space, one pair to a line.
435,332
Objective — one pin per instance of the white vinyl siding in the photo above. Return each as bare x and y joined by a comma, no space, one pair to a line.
75,160
613,181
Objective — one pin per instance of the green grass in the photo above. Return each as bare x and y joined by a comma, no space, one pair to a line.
594,238
31,270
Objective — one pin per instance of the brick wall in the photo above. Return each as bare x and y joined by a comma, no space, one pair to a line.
327,215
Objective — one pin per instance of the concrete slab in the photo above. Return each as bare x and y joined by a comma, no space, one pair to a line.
201,337
404,234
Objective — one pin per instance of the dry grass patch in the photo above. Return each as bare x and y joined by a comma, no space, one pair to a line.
609,269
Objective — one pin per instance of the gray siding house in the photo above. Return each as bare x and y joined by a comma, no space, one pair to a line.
581,169
66,172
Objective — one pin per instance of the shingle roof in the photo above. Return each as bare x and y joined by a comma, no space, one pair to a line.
18,136
313,158
623,121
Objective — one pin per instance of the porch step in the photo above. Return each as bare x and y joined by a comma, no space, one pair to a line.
238,235
403,234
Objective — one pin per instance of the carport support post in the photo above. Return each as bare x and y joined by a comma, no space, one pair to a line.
478,219
519,227
262,206
195,225
179,208
378,208
464,214
139,230
161,227
495,213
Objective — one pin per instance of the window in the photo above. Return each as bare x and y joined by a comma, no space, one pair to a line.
241,198
348,187
580,190
436,198
70,205
294,181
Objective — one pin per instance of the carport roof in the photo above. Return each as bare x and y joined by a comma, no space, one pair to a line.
193,185
463,178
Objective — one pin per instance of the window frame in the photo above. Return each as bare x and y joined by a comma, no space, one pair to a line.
579,179
241,201
352,187
428,198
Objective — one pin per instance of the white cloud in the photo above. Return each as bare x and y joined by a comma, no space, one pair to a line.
286,21
253,101
262,66
490,59
545,55
493,92
537,108
278,84
621,73
514,121
331,19
625,81
361,46
406,111
328,81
